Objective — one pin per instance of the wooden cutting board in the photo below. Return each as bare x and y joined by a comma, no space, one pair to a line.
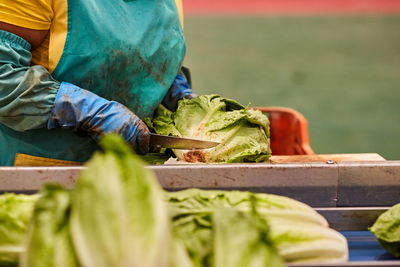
327,157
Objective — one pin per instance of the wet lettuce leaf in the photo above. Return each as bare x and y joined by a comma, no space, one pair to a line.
387,230
242,132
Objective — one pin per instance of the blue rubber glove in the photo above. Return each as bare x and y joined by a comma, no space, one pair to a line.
83,111
179,89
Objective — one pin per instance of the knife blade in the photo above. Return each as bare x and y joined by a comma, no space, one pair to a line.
165,141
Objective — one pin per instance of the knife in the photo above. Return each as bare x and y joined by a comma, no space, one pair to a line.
158,140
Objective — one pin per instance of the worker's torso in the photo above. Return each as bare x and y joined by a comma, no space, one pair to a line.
125,50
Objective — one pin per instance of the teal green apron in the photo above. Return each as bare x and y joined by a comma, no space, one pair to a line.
127,51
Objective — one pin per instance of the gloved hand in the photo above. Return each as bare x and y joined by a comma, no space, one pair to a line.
179,89
80,110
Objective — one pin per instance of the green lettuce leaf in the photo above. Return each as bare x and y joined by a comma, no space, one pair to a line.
48,239
118,216
243,133
242,239
299,232
15,212
155,158
387,230
210,238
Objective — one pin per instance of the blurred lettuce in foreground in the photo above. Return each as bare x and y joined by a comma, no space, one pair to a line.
48,241
118,215
115,216
15,212
243,133
387,230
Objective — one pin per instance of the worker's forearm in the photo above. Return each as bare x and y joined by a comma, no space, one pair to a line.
27,93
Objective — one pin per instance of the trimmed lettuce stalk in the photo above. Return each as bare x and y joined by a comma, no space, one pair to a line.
299,232
48,240
118,215
115,216
15,212
243,133
301,242
387,230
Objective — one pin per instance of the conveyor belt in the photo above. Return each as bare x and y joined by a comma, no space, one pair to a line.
363,246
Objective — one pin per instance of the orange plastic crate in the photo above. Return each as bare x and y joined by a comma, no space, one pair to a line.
289,131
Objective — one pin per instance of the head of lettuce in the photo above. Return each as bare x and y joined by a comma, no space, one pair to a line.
243,133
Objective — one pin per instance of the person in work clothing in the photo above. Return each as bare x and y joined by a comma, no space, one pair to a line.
71,70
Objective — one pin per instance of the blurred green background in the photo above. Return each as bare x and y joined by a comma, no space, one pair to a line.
342,73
